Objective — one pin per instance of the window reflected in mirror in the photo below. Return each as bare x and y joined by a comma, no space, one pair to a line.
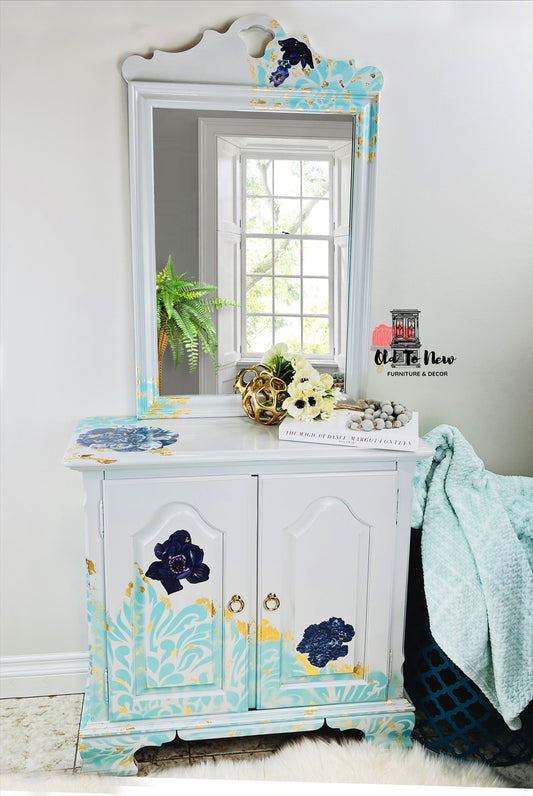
261,218
288,248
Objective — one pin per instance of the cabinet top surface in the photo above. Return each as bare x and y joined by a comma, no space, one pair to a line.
104,443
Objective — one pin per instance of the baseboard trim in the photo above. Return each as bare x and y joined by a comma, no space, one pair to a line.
43,675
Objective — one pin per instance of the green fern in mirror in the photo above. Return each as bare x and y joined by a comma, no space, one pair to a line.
184,317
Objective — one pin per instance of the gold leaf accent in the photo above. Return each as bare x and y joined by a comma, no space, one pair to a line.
208,605
242,627
309,668
163,451
128,590
90,567
267,632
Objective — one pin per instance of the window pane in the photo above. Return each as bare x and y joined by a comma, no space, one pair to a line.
259,177
258,294
315,257
287,216
287,257
316,335
315,217
258,333
315,178
316,296
258,215
287,295
287,178
288,330
258,256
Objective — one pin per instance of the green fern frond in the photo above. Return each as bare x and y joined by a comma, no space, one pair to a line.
185,309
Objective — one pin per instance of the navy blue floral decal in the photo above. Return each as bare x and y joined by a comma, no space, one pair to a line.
293,52
179,559
325,642
127,438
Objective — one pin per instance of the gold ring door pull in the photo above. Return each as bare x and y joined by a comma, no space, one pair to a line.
236,604
269,599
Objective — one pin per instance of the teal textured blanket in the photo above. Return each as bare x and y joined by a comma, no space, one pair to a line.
477,559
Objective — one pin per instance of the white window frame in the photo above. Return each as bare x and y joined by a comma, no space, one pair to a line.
279,152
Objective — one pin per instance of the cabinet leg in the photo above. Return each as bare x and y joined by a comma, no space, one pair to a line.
384,729
388,730
113,754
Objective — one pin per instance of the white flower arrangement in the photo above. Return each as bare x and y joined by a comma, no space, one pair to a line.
311,395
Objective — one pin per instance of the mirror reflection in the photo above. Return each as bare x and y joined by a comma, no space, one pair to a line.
251,235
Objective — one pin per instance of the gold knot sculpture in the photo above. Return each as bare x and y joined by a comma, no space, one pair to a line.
262,394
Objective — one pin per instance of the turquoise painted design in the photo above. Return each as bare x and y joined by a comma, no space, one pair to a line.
159,658
385,729
104,422
95,707
113,753
395,687
266,727
325,642
176,648
313,71
151,404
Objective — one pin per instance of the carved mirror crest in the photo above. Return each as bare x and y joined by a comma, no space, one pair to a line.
254,176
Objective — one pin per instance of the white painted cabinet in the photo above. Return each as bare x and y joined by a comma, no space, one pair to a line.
171,651
326,547
240,585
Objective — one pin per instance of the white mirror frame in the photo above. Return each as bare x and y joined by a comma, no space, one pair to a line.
193,79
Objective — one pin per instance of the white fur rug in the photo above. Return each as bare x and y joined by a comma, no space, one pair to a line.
312,760
320,760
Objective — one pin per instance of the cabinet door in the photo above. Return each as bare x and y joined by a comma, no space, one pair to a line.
326,550
177,552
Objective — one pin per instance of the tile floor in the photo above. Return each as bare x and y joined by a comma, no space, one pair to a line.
39,734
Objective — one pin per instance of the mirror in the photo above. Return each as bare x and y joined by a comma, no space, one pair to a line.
261,187
274,242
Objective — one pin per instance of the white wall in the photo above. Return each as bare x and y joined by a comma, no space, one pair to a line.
453,239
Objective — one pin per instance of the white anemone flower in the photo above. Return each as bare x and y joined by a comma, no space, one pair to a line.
306,378
278,350
303,404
